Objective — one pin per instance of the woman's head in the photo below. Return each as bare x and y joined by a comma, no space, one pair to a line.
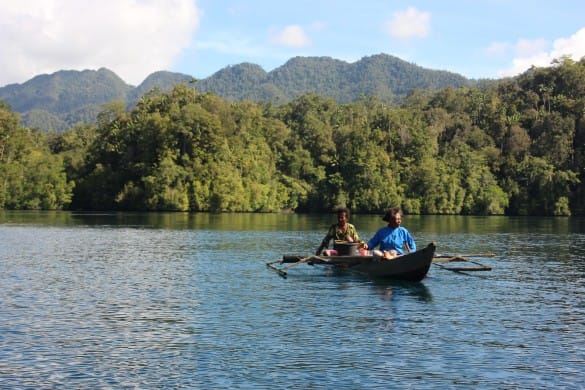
393,216
343,214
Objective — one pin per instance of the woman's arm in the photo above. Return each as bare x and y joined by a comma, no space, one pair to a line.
325,242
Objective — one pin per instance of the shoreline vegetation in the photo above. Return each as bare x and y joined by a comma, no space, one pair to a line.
513,147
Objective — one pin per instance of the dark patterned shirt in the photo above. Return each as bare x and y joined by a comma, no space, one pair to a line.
334,233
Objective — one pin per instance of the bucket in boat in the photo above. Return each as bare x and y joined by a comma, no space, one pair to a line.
345,248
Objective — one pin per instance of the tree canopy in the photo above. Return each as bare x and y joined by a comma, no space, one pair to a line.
514,147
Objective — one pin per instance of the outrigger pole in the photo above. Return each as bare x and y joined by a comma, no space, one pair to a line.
282,271
439,259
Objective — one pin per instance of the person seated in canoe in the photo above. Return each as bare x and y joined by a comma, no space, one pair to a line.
393,240
340,231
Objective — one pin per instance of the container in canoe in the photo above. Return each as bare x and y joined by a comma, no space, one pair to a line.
412,266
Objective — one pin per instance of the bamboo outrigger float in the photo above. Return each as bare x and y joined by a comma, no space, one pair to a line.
412,266
439,260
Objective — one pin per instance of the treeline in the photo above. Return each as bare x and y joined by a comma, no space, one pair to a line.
515,147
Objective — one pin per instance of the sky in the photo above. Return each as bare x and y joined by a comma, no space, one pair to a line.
134,38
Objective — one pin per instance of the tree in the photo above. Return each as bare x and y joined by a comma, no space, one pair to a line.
31,177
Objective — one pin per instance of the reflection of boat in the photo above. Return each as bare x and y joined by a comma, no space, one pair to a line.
412,266
391,289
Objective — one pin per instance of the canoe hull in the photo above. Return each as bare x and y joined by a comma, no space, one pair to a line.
411,267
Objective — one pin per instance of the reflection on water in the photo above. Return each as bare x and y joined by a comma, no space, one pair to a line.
396,288
118,300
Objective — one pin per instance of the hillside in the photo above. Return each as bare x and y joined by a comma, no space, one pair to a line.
382,75
62,99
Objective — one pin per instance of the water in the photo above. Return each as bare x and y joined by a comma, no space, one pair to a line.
186,301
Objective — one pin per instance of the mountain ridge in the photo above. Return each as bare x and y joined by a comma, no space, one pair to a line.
59,100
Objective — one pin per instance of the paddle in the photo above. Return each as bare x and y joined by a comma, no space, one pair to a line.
282,271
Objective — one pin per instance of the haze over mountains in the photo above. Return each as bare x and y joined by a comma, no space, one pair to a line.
62,99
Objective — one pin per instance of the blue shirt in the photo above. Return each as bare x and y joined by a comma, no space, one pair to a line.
392,238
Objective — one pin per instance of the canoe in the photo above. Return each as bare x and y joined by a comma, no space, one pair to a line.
411,267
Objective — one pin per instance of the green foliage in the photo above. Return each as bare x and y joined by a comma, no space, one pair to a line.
166,189
42,119
516,147
31,178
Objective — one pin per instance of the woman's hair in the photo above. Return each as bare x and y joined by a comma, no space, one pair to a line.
343,210
390,213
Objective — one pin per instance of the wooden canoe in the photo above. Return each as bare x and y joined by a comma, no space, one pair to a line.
412,266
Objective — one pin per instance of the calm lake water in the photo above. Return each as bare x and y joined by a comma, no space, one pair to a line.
186,301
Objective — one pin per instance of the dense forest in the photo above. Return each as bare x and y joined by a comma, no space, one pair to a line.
515,147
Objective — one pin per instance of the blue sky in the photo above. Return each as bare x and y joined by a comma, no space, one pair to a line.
478,39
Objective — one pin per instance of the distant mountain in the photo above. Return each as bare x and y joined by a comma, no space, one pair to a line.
162,80
381,75
64,98
65,91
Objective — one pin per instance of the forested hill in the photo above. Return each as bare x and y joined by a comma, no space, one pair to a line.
62,99
386,77
513,147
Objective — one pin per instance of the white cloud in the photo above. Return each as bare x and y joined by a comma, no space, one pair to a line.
133,38
574,46
409,23
534,53
529,48
293,35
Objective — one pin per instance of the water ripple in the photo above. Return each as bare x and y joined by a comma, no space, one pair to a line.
134,307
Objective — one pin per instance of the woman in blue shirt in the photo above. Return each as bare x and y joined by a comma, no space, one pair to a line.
394,240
